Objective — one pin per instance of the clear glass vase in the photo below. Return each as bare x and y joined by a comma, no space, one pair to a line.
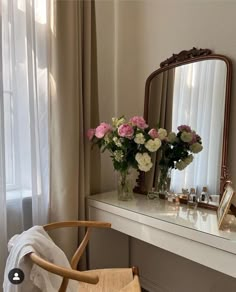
163,182
124,187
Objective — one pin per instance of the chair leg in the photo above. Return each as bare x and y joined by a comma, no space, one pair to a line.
64,285
135,271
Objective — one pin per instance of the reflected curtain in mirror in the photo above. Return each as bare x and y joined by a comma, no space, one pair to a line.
198,101
160,114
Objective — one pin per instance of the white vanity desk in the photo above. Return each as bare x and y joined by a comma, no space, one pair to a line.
192,234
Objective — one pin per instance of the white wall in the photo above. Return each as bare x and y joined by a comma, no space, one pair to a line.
133,38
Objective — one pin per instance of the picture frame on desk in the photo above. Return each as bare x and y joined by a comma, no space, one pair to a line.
225,203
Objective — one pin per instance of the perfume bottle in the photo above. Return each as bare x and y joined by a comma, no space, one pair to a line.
172,197
192,198
204,197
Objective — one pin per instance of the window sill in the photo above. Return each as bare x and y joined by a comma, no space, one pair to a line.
18,194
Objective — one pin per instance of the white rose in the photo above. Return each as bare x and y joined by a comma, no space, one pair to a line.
138,157
171,137
162,133
145,167
188,159
144,161
186,137
196,147
142,158
139,138
180,165
153,145
146,158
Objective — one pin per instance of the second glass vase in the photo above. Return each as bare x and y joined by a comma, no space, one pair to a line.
163,183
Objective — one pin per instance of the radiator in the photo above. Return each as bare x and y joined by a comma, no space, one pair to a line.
19,214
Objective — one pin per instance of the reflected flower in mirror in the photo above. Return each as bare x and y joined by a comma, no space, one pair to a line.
177,152
130,143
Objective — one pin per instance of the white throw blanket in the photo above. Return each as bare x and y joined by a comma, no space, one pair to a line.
35,240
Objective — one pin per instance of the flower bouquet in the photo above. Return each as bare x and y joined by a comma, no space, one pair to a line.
177,152
130,144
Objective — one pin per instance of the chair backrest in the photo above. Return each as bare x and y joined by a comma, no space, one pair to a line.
71,273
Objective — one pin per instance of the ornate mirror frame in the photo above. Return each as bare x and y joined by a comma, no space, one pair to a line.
182,58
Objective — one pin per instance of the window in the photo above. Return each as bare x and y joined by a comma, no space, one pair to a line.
12,179
25,87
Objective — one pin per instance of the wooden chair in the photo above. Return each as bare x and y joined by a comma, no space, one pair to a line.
102,280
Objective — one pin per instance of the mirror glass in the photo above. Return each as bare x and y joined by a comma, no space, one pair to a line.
191,94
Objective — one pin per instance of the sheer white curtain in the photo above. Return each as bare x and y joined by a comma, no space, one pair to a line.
199,100
23,118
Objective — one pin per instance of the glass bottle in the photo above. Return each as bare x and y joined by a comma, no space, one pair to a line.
204,197
192,199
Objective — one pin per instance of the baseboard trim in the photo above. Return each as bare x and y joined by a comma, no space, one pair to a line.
151,286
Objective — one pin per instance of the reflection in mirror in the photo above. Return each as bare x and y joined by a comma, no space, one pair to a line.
199,93
193,94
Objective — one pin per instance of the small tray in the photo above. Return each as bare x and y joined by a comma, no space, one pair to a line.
183,199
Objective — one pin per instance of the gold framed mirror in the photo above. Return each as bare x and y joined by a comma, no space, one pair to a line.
192,88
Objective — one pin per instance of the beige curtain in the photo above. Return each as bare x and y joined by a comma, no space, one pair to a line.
159,113
72,94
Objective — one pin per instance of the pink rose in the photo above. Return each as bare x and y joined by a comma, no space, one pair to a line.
90,134
196,138
184,128
102,129
153,133
126,131
139,122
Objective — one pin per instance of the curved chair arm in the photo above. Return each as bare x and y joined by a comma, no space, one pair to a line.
88,224
63,272
71,273
57,225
